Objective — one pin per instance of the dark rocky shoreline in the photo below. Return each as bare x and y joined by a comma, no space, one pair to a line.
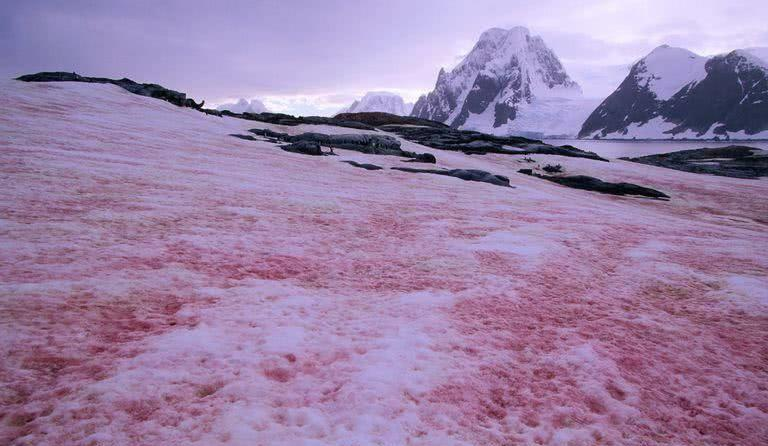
732,161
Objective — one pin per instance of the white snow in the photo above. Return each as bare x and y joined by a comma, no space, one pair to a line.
380,101
669,69
244,105
760,53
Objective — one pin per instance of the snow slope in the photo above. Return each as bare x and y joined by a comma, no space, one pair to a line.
165,283
380,101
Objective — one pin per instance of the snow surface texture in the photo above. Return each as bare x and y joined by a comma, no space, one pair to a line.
515,71
380,101
165,283
243,106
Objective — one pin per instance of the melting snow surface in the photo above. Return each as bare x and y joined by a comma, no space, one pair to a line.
165,283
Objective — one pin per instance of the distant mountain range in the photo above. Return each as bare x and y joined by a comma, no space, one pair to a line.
674,93
512,83
243,106
380,101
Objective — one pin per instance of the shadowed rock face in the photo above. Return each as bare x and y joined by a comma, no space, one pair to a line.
305,148
464,174
585,182
731,161
470,142
150,90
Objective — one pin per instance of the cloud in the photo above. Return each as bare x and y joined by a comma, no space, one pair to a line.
315,57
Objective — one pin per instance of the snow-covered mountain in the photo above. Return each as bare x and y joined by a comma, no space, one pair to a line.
674,93
510,83
380,101
244,105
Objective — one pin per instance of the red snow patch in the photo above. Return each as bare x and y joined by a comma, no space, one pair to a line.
70,342
569,347
240,264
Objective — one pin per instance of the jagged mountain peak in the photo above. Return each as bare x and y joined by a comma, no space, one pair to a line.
501,34
244,105
379,101
506,72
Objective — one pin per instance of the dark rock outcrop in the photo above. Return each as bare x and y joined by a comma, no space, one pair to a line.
305,148
245,137
365,166
378,119
422,158
364,142
464,174
731,161
471,142
585,182
209,111
150,90
267,133
291,121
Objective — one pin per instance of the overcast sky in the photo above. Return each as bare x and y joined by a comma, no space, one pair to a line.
313,57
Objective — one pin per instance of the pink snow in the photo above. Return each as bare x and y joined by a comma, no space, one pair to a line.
165,283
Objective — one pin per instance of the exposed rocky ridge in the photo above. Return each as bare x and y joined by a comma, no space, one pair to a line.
359,142
675,93
378,119
731,161
150,90
292,121
478,143
464,174
507,75
585,182
180,99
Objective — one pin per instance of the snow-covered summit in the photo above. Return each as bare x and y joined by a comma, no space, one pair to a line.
674,93
508,75
380,101
243,106
755,56
666,70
